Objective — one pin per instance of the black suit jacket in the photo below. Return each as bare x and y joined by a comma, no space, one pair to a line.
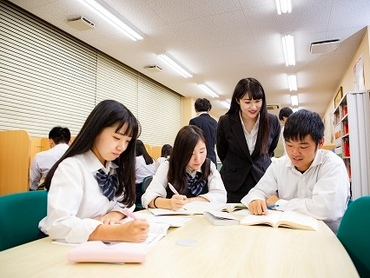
239,168
209,126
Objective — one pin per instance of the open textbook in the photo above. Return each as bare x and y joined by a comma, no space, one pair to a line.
286,219
198,208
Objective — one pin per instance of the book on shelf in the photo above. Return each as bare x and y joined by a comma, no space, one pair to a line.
220,218
283,219
198,207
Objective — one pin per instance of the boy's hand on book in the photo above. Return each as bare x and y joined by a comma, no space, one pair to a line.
271,201
258,207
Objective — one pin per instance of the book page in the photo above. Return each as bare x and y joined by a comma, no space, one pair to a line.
270,219
293,219
158,211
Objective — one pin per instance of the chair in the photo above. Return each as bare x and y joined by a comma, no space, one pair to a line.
20,214
353,233
145,183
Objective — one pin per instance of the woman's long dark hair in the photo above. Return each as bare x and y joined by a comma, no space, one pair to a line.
141,150
255,91
106,114
185,142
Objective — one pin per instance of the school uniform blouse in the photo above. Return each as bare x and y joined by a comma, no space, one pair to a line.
216,190
143,170
75,199
43,161
322,191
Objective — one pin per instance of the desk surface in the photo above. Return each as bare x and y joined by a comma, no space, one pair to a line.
221,251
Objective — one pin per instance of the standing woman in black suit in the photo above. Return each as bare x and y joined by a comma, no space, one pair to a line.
247,136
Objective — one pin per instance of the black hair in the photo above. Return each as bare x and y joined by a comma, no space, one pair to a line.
285,112
303,123
185,142
202,105
141,150
60,135
166,150
106,114
254,89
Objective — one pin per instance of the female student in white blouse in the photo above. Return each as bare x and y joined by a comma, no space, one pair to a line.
194,177
94,181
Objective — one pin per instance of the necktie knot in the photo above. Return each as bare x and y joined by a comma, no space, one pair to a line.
108,183
194,185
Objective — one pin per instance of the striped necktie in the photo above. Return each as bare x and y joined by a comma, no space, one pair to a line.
108,183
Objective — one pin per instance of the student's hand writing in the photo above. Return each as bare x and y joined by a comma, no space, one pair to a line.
135,231
112,217
258,207
178,201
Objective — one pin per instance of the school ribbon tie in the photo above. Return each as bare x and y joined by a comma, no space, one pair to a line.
194,185
108,183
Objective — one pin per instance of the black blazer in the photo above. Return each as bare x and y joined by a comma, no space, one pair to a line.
209,126
232,149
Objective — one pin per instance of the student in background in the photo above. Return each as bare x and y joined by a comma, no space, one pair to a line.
308,179
144,167
193,176
59,139
94,181
206,123
247,136
165,155
284,113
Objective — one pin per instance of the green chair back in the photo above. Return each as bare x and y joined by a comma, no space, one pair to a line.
20,214
354,233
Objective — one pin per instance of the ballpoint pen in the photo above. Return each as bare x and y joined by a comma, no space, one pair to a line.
272,206
173,189
130,214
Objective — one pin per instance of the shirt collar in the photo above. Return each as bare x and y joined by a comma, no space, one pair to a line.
316,161
95,164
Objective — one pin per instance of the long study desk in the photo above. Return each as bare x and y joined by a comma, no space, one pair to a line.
221,251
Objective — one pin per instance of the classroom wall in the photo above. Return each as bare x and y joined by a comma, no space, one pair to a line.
347,82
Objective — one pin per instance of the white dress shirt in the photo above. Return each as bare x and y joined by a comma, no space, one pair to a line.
75,199
143,170
160,160
322,191
42,162
251,137
216,189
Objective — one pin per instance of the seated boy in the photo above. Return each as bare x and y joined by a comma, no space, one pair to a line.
308,179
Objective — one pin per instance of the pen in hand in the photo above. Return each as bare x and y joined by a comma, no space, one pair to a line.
130,214
173,189
272,206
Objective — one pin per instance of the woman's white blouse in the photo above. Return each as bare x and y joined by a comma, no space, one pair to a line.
216,189
75,199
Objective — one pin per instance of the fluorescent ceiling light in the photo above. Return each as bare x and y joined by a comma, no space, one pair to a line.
292,80
295,109
283,6
208,90
165,57
226,104
288,47
294,100
112,19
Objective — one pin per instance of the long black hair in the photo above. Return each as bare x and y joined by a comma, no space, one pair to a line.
254,89
185,142
141,150
106,114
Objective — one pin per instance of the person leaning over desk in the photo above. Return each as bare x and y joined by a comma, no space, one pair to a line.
94,181
308,179
247,136
194,177
59,140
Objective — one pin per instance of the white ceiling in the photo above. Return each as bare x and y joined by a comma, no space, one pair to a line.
223,41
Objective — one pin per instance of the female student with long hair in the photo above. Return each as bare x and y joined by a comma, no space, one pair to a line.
193,176
94,181
247,136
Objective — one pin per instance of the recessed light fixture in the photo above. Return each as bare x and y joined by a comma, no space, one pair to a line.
283,6
169,60
112,19
292,81
288,47
208,90
294,100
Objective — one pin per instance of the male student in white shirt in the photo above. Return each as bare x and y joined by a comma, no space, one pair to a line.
308,179
59,138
